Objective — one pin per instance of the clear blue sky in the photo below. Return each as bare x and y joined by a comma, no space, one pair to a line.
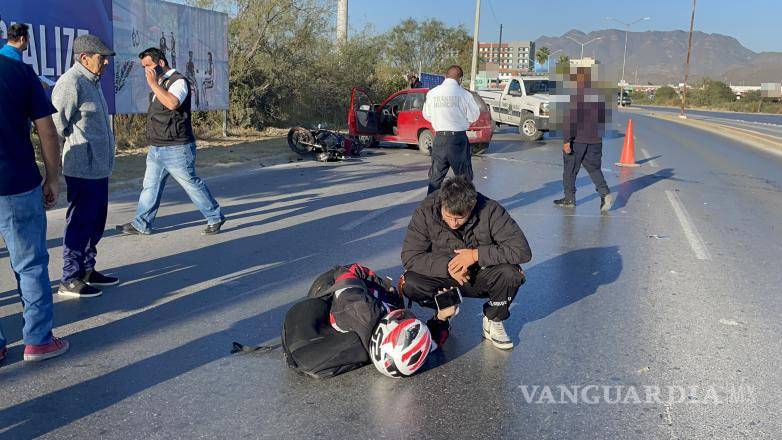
755,23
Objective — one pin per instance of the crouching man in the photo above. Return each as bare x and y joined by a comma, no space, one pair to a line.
458,238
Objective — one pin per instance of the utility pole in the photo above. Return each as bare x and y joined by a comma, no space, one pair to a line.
687,62
474,67
342,22
550,56
499,52
624,58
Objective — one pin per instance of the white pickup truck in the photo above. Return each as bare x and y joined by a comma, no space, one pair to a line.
524,103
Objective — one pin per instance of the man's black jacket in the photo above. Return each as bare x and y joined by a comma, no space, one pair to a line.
430,243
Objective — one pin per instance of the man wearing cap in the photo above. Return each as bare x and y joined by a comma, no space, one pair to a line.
83,123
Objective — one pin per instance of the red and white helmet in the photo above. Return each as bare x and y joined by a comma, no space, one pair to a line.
400,344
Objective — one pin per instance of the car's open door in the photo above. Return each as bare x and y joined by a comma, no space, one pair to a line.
362,117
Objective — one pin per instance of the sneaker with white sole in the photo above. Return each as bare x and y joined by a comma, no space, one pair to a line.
36,353
495,332
78,289
606,201
97,279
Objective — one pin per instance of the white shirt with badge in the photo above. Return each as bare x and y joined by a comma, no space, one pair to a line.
179,88
449,107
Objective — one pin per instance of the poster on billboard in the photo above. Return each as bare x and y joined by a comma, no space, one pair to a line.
193,40
53,27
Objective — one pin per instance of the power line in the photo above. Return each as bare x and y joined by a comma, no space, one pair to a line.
493,14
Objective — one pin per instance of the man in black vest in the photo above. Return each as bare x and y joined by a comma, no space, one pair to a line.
172,148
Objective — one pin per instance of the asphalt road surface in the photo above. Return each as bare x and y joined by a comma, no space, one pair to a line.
762,123
659,319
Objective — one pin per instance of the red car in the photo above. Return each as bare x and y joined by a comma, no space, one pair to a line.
399,119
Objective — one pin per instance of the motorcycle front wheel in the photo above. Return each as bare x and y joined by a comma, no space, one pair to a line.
301,140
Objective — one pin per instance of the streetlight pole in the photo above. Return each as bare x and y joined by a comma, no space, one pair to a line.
549,58
624,58
687,63
583,44
474,67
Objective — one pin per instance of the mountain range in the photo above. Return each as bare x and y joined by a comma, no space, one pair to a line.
658,56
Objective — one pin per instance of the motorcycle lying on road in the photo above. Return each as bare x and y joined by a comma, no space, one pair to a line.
326,145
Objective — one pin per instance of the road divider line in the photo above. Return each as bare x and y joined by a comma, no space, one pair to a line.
648,157
695,239
419,193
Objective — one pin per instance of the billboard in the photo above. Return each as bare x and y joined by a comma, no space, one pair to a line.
53,27
194,41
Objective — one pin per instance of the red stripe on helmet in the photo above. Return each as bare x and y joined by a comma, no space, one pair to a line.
424,354
395,332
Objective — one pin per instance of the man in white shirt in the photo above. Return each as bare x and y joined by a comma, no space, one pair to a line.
451,109
172,148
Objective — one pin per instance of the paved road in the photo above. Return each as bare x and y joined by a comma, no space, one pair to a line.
760,118
678,286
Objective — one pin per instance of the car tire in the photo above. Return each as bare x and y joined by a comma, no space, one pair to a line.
367,141
425,142
528,129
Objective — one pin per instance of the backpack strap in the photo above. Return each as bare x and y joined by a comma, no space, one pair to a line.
240,348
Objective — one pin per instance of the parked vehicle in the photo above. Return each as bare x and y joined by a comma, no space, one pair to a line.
523,103
325,145
623,98
399,119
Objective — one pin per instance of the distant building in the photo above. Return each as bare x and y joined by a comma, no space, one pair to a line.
583,62
513,58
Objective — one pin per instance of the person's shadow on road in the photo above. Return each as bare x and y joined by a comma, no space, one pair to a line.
552,285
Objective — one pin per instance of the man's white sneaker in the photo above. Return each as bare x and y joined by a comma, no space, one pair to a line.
495,332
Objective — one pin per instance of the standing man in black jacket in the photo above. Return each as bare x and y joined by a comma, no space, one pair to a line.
583,130
460,238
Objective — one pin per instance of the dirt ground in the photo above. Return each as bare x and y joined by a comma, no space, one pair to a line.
215,154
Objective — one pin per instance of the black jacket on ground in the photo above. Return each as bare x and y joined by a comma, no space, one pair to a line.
359,299
430,243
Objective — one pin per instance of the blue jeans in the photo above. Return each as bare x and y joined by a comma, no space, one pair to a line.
23,227
179,162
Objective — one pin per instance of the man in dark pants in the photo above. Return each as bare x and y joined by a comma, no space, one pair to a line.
451,109
457,237
82,120
583,130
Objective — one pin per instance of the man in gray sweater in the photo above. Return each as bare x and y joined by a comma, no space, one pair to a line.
87,161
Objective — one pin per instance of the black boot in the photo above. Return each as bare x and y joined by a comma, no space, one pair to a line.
565,202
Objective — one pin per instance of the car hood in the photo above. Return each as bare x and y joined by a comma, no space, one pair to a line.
540,97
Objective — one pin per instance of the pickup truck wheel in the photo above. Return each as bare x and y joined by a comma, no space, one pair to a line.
425,142
528,129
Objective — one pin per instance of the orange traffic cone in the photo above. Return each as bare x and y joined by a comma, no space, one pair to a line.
628,149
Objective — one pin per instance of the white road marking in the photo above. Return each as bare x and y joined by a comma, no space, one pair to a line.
696,242
648,156
419,193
